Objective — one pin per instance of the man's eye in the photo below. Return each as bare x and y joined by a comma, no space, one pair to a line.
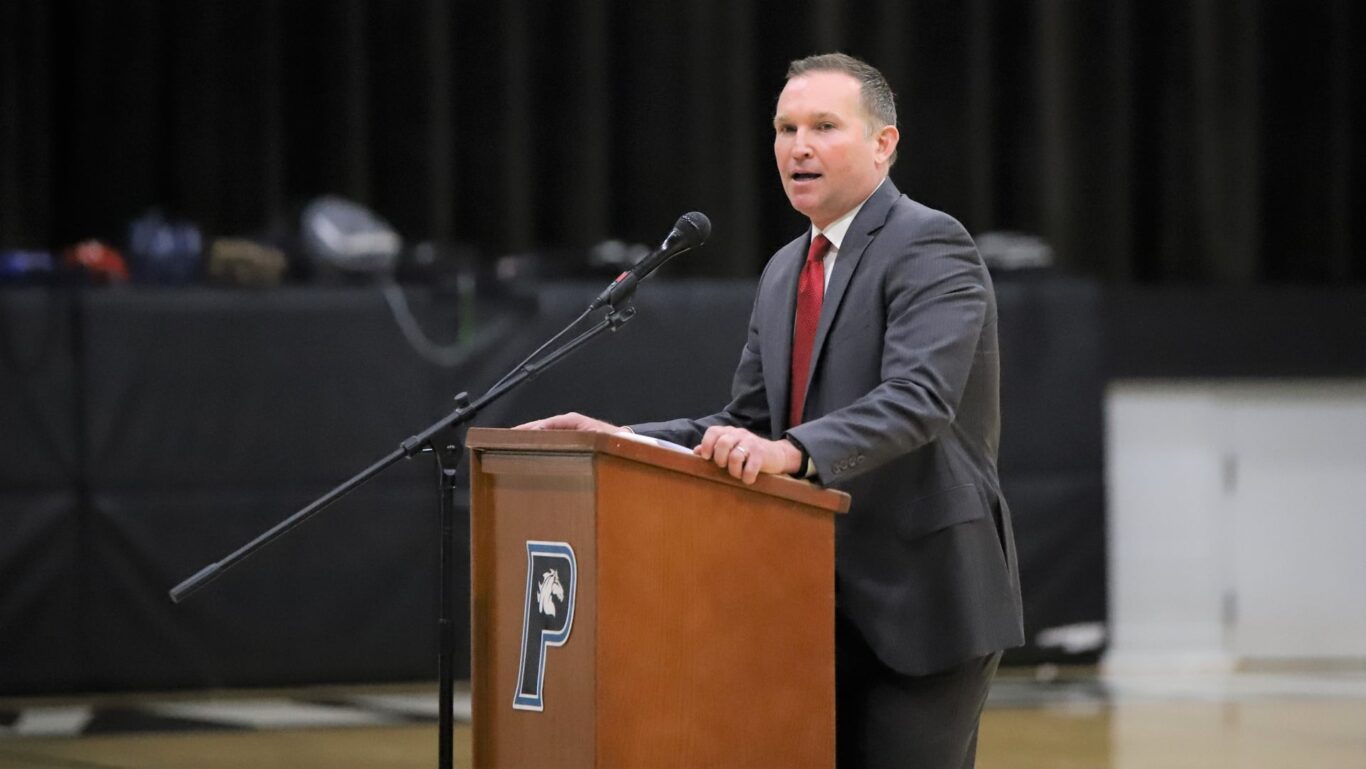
826,127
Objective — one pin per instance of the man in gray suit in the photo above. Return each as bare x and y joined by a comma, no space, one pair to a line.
871,366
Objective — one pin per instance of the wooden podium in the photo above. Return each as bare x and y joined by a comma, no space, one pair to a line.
634,606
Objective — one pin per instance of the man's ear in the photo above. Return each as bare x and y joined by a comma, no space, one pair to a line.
886,140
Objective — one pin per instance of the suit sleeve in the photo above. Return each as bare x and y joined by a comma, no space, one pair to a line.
936,295
748,407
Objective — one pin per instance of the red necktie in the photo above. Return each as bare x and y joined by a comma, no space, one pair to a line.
810,294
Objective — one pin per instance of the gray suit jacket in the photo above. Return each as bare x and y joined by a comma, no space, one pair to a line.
903,412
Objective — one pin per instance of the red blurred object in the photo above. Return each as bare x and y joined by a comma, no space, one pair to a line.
98,260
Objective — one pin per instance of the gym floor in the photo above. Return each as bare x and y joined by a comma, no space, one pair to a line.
1047,718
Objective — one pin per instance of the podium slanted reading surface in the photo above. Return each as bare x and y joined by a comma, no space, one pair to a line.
636,607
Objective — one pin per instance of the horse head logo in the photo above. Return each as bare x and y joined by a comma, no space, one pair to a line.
551,579
547,590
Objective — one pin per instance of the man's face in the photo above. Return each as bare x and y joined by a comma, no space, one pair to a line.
828,158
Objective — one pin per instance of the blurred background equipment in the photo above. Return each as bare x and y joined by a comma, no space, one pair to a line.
18,266
613,256
1014,251
96,262
162,251
245,263
344,238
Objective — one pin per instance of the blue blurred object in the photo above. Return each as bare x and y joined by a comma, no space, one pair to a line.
18,266
164,251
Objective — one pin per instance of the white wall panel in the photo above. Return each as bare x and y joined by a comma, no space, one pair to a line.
1237,522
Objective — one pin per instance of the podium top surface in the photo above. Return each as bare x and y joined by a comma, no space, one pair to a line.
485,439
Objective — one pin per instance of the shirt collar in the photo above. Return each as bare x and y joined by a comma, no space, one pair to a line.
835,232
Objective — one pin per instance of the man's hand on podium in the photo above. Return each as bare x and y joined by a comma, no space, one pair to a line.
738,451
571,421
744,455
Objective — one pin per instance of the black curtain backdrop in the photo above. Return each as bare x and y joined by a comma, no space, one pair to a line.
1203,142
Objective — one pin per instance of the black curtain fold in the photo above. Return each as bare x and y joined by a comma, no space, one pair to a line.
1203,142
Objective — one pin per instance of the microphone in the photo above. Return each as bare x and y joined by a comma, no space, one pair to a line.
690,231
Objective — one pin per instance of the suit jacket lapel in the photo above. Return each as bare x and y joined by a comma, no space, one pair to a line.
777,339
869,220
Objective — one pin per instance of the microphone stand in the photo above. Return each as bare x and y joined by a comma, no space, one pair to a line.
445,441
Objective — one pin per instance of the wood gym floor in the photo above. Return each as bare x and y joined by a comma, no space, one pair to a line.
1045,718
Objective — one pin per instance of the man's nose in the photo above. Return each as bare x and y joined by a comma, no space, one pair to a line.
801,147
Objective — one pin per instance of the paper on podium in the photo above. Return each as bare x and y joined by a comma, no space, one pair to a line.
663,444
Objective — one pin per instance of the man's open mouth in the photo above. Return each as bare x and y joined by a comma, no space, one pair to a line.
804,177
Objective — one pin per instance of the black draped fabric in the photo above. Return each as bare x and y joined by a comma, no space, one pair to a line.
145,433
1201,142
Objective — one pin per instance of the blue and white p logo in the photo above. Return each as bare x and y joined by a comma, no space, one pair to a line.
547,617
